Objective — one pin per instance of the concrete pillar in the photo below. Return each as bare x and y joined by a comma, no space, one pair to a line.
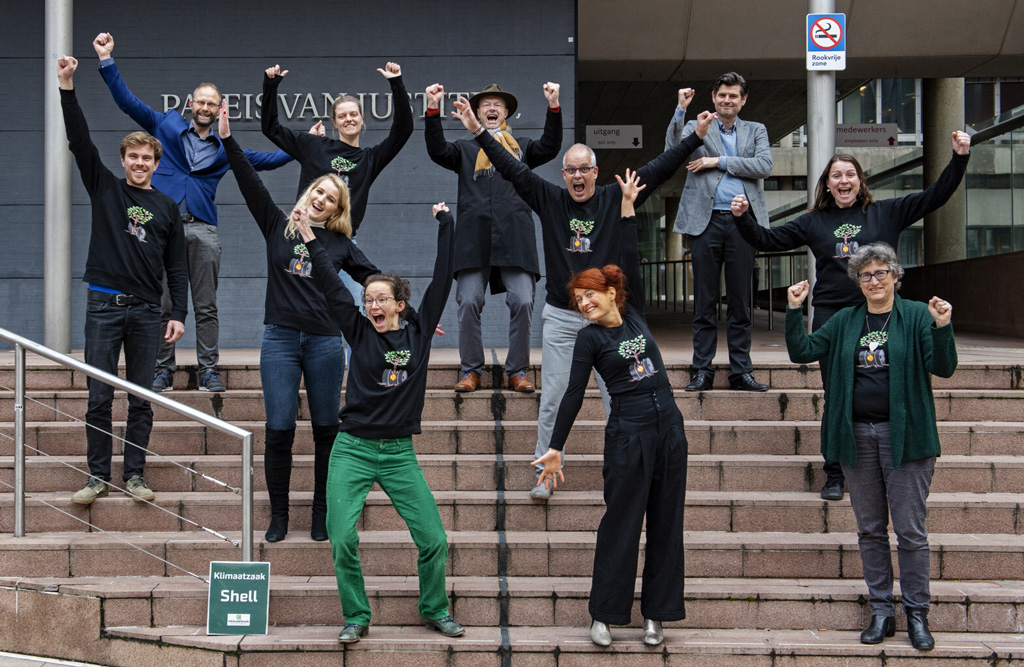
942,111
57,184
674,249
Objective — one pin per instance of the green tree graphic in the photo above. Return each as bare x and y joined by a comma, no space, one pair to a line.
879,337
633,347
301,251
581,226
846,232
340,165
397,358
138,216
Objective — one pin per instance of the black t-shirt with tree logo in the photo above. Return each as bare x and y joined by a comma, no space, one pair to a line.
871,371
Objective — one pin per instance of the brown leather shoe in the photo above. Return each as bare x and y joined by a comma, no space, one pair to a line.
518,382
469,382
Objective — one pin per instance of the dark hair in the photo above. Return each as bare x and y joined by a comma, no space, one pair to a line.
599,280
400,289
822,197
140,138
731,79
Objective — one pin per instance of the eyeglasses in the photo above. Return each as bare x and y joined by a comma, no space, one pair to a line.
572,170
211,105
879,275
381,301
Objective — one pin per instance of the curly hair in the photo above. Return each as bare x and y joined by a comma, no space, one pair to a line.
400,289
599,280
881,253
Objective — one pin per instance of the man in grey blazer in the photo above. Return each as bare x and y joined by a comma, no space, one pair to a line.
735,157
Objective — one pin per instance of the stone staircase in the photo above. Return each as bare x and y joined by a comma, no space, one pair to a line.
773,572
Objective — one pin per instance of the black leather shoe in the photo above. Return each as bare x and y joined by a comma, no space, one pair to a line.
746,382
880,628
917,629
833,490
702,381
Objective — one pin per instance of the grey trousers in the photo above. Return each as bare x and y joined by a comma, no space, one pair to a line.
470,294
202,254
878,491
559,333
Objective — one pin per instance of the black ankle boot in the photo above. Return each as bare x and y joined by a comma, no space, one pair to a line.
879,628
323,443
917,629
277,468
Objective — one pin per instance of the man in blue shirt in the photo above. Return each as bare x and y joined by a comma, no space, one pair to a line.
735,157
193,163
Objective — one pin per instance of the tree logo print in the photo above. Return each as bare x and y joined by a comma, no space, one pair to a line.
301,265
846,247
394,377
137,217
632,349
341,165
580,242
874,354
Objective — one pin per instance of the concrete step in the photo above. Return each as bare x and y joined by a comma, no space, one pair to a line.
41,374
478,472
445,405
733,511
542,602
179,438
475,553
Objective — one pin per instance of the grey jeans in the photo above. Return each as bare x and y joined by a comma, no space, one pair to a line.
878,491
202,254
470,293
559,333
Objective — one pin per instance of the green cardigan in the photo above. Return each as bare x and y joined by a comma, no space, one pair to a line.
916,349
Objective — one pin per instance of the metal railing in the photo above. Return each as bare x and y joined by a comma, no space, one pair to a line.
21,345
667,283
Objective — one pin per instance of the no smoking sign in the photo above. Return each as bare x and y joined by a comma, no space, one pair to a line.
826,41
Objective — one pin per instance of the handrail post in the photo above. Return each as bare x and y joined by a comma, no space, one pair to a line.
771,304
247,497
19,441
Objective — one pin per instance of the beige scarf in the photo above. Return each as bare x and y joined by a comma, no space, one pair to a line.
503,137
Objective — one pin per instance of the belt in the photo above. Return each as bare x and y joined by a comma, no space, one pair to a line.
117,299
188,217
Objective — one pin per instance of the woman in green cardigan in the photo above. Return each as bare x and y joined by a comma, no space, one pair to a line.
880,425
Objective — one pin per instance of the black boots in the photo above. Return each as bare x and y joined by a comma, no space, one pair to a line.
917,629
277,467
879,628
323,442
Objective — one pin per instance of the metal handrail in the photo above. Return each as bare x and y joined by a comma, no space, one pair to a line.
22,344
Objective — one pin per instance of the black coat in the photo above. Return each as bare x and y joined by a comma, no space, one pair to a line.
495,226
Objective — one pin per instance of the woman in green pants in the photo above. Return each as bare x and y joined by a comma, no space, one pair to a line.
387,381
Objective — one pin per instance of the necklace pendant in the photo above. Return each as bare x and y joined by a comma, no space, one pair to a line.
872,346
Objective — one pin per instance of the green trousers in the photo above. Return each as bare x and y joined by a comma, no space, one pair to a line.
356,463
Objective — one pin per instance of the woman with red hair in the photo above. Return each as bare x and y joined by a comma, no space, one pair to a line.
644,446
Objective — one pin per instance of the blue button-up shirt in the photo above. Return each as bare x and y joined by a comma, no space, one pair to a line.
729,186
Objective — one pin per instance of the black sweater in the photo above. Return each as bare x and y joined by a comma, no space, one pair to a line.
626,356
823,232
358,167
387,373
136,233
579,236
292,299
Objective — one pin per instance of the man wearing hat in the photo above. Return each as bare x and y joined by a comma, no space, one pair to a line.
494,234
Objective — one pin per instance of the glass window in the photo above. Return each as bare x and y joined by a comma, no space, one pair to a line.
979,102
859,106
1011,95
899,104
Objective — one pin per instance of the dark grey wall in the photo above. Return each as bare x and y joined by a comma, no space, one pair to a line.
328,47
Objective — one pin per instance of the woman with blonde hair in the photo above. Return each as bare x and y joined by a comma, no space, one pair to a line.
300,341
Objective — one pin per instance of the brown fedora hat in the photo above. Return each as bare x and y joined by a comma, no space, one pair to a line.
494,90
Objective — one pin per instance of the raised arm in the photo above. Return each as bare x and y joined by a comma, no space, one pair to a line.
546,150
629,260
661,168
677,127
340,304
791,235
908,210
296,144
94,173
140,112
937,344
442,153
260,204
440,285
401,121
804,349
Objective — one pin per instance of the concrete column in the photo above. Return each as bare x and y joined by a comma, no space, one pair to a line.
56,185
942,111
821,130
674,248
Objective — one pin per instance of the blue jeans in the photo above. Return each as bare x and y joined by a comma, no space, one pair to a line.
108,327
288,355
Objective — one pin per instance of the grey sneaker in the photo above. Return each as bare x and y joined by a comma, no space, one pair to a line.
138,489
163,380
540,492
352,632
93,489
210,381
446,626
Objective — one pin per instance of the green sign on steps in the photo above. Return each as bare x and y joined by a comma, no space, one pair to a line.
239,597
